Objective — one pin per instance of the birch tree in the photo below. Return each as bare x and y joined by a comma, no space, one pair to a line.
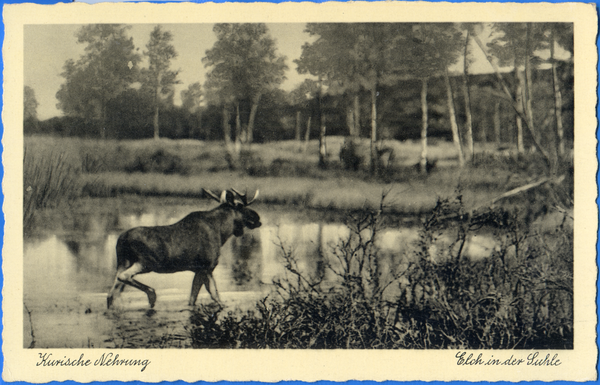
158,77
437,47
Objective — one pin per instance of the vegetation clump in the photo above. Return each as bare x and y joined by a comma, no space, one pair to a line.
349,156
158,162
48,181
518,297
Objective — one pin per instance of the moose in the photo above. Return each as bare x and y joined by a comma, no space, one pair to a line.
192,244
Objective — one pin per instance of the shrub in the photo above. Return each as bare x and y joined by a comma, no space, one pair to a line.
349,155
310,313
158,162
521,296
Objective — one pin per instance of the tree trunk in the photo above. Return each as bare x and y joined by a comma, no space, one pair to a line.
373,128
497,132
483,128
253,109
423,162
469,121
467,94
227,137
322,144
238,129
298,116
155,120
356,115
560,142
519,121
226,127
321,122
452,116
103,124
307,134
350,120
529,84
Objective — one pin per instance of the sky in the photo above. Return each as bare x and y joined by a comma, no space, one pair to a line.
47,47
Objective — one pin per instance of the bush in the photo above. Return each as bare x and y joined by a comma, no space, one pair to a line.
158,162
349,155
521,296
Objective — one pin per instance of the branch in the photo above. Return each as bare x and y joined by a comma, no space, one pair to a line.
526,187
507,194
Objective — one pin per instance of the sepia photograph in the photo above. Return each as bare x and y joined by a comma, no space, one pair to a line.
349,185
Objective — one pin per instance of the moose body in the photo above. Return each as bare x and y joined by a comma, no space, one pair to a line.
192,244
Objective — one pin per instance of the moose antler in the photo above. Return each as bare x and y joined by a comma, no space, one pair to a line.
211,194
244,198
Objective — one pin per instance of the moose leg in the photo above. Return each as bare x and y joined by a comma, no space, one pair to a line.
211,286
127,278
199,281
117,288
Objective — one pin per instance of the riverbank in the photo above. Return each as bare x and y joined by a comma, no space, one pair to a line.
285,173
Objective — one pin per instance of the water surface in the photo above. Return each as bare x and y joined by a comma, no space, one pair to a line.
69,268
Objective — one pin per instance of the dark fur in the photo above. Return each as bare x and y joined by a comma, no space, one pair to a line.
192,244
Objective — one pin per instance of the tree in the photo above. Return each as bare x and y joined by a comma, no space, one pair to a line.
520,44
245,64
220,90
191,100
510,48
433,49
558,34
468,27
421,62
331,57
353,55
158,77
30,105
301,97
106,69
518,107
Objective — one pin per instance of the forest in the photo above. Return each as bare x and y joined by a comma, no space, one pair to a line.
379,81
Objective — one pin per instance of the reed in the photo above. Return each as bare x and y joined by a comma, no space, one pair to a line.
49,180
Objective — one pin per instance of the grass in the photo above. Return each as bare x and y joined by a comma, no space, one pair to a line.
284,174
49,180
65,169
198,157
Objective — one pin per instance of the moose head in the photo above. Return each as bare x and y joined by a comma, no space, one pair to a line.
238,202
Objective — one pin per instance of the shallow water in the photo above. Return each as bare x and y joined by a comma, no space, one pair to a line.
69,270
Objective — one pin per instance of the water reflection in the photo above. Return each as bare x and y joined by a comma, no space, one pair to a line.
82,257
